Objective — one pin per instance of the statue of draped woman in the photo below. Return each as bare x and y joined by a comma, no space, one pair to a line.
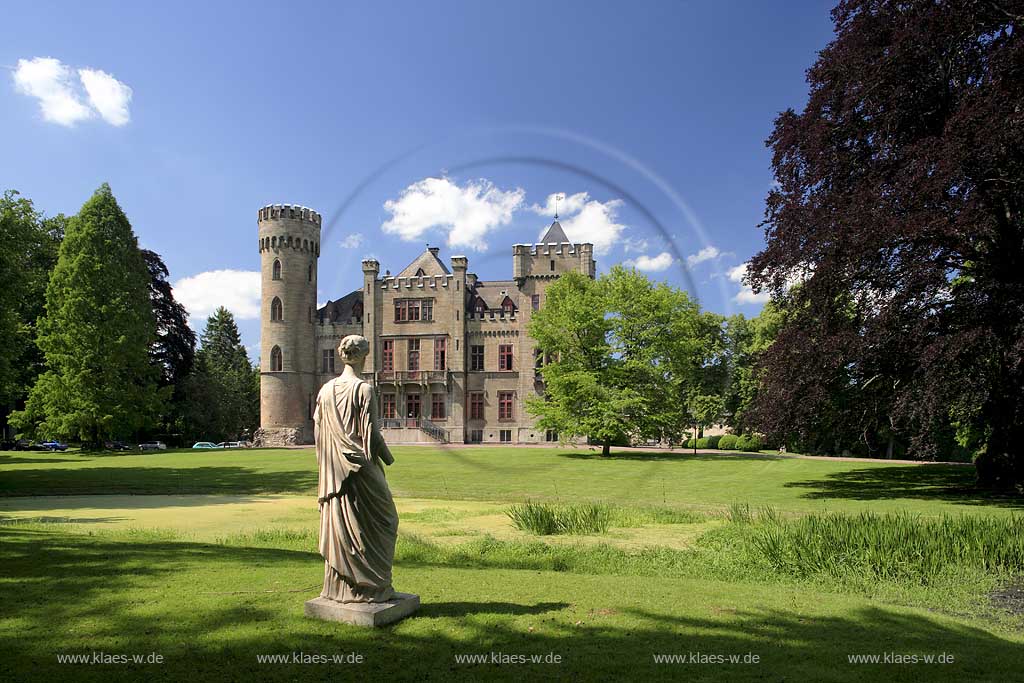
358,519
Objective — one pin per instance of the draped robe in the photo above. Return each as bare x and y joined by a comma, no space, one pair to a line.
358,519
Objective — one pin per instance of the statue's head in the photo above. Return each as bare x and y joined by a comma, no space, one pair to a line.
353,349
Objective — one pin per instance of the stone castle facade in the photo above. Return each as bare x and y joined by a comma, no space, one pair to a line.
449,353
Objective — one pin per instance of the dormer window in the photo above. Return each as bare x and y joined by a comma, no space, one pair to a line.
479,307
508,307
419,272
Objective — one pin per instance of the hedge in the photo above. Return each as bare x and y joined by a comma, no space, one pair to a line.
727,442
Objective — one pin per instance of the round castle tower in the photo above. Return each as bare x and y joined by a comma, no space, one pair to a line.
289,241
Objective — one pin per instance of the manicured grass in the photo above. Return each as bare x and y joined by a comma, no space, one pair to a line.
213,571
209,610
514,475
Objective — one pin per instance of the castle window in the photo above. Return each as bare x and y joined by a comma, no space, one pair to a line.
505,411
388,355
437,407
476,405
414,357
277,269
480,307
507,307
505,436
276,310
411,310
310,274
412,405
552,265
441,353
419,272
276,359
535,302
327,361
504,356
476,435
388,407
427,310
476,357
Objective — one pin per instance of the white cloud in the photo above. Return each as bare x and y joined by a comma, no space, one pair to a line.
585,219
565,204
109,96
64,101
49,81
632,244
353,241
236,290
466,213
708,253
746,295
653,264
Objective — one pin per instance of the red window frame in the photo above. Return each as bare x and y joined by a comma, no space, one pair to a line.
505,357
412,405
441,353
476,405
388,406
413,355
388,355
505,408
476,357
437,407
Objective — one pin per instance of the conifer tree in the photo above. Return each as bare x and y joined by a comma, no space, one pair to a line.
96,333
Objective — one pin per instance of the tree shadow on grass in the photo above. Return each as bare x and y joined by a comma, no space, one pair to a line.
153,480
79,594
701,456
951,483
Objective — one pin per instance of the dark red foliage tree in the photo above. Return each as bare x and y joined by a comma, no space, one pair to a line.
897,208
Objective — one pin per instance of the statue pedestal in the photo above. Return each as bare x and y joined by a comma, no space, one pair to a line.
364,613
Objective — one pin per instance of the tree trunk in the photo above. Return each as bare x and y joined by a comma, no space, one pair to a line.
606,449
1000,466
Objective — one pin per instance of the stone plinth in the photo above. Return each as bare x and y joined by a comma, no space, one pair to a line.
364,613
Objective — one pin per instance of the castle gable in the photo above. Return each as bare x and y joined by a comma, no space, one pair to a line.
426,264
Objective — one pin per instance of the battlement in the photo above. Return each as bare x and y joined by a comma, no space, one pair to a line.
281,242
371,265
272,212
554,248
419,282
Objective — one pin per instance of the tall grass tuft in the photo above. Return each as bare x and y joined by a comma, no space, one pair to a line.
896,547
545,520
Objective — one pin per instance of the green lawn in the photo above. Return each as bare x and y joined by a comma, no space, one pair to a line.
210,570
706,480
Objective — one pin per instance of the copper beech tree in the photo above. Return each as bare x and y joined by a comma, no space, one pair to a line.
894,239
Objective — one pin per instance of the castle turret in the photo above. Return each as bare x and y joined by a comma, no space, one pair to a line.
289,244
371,324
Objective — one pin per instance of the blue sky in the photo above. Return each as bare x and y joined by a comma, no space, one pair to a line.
443,122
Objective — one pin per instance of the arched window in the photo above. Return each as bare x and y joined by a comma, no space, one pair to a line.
310,275
276,359
276,310
480,306
277,269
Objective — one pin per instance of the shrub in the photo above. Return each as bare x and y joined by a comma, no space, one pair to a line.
713,441
543,519
703,442
690,443
749,442
727,442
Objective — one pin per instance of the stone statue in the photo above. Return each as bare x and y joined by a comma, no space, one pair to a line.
358,519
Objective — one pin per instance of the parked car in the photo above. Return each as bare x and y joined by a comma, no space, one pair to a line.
117,446
16,445
230,444
153,446
206,445
53,445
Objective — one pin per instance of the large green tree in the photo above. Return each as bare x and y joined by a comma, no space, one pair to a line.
173,349
30,252
222,392
626,358
96,333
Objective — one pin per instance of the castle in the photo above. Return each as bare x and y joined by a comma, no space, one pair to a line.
449,354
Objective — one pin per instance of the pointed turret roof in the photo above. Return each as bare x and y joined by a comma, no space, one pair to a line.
428,262
554,235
